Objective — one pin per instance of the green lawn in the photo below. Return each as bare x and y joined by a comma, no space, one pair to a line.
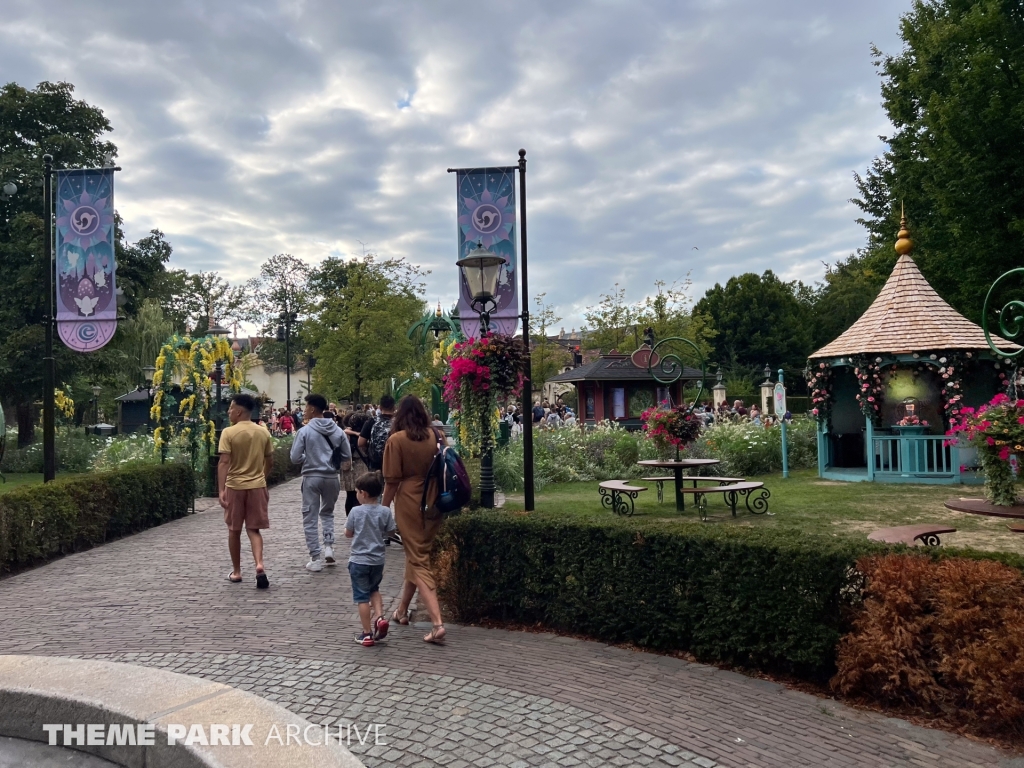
19,480
805,503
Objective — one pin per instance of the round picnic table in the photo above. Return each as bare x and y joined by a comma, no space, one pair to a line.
677,466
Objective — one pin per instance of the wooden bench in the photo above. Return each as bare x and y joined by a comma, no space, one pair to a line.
911,535
757,504
618,495
670,478
1016,528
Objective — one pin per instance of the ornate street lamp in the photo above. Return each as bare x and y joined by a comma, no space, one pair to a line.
439,325
284,333
482,268
148,371
96,389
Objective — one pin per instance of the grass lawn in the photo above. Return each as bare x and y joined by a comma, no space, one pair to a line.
806,503
19,480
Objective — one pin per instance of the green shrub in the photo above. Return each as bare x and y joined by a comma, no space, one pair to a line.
73,449
42,521
746,449
762,598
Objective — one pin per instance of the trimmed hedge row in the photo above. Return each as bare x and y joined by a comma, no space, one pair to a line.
42,521
749,597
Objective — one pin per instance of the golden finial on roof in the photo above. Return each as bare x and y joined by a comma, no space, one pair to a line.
904,244
437,313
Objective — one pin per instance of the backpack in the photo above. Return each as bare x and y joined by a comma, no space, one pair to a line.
379,433
453,487
336,454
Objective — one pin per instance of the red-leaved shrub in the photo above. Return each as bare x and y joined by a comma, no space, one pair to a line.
940,637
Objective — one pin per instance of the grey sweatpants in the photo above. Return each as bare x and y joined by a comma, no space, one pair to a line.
319,495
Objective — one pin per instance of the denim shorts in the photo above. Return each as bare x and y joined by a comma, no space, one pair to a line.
365,581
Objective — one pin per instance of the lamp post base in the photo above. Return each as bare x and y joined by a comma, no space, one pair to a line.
487,479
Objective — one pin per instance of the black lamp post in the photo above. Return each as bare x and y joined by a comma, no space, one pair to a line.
218,416
148,372
284,333
481,268
49,364
96,389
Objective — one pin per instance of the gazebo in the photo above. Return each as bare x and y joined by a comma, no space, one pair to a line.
885,390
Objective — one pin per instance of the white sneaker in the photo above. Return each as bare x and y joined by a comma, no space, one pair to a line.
329,556
315,565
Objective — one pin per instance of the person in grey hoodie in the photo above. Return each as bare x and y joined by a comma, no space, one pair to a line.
313,447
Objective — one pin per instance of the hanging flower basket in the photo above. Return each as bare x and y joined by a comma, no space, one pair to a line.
671,427
998,430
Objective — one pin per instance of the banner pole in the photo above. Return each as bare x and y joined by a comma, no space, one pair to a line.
527,405
49,374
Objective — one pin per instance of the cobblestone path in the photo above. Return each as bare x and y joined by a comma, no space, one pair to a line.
488,698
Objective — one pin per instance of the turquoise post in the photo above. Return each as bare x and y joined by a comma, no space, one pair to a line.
869,437
822,449
785,447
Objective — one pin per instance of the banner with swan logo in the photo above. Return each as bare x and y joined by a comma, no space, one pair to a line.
86,290
487,215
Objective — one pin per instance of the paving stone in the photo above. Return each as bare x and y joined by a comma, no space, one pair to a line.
159,598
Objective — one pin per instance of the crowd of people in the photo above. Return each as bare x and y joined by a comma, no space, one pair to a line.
738,413
380,456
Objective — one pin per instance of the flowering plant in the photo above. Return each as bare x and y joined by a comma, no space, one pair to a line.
675,427
910,420
819,382
870,386
482,372
997,428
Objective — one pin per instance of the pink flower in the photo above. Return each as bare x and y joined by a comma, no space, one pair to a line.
990,440
814,411
871,399
1004,453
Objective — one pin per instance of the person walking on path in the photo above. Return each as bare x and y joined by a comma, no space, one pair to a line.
368,525
408,455
323,450
246,458
375,433
353,424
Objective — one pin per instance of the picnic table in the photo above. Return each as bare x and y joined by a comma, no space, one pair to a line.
677,466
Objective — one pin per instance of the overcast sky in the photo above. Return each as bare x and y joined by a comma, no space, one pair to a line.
252,128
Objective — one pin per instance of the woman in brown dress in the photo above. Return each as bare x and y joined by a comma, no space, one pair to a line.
408,453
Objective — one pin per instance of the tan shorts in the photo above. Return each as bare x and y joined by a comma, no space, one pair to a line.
247,509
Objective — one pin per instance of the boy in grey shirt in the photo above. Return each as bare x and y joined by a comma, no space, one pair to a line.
368,525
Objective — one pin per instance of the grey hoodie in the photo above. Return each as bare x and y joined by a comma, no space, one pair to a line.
310,447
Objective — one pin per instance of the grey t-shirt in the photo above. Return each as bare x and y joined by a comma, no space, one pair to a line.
370,523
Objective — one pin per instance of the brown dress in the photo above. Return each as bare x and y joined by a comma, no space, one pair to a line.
406,463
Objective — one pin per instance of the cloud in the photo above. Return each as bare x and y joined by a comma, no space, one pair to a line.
248,129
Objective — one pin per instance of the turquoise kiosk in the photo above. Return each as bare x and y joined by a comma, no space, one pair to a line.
885,390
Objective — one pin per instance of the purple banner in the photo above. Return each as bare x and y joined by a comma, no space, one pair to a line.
86,292
487,214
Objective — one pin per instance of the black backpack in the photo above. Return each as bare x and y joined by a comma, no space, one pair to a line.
336,454
379,433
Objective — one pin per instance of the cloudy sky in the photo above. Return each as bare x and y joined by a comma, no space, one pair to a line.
252,128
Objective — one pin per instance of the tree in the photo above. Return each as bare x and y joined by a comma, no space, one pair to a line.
360,333
138,342
758,320
33,123
956,157
612,324
195,298
282,286
547,358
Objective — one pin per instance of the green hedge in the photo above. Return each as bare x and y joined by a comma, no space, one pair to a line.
42,521
748,597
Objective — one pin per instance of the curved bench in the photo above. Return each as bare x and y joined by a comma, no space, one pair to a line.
912,535
707,479
755,496
143,701
614,495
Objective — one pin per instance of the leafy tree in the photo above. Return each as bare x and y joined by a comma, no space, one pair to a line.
612,324
956,157
138,342
547,358
360,332
758,320
196,297
46,120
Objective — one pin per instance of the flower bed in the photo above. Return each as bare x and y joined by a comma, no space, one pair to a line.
997,429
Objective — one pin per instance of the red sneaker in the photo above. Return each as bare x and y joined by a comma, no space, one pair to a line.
364,639
380,628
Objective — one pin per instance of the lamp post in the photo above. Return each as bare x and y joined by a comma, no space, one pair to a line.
481,268
49,365
148,372
218,421
96,389
284,333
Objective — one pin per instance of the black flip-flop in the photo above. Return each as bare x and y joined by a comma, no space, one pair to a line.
235,581
262,582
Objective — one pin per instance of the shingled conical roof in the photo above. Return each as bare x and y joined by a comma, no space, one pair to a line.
909,316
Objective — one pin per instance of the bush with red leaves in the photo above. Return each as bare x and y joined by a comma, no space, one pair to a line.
943,638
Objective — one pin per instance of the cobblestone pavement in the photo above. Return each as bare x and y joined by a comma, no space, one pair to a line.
489,697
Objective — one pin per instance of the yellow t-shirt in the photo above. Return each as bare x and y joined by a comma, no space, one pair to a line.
249,445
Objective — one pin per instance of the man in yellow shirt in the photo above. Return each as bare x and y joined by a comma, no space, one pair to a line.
246,456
